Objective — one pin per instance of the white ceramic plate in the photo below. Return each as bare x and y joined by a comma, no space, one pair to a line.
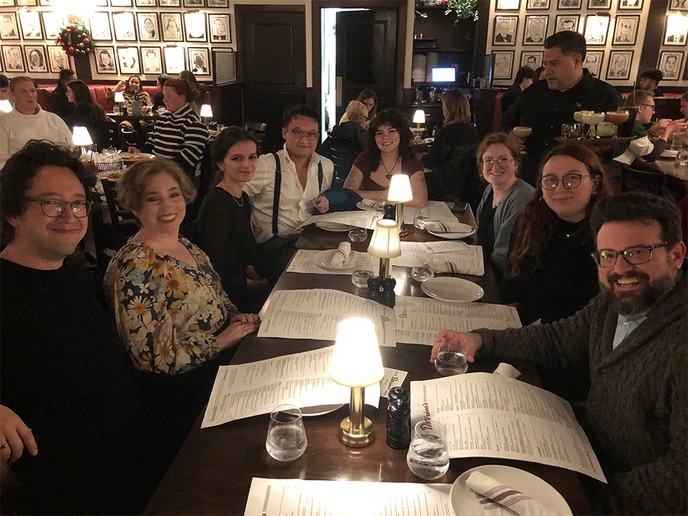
453,290
463,501
324,260
332,226
669,153
376,206
320,410
465,232
138,156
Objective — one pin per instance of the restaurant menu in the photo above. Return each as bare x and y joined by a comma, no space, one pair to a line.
488,415
461,260
304,262
278,497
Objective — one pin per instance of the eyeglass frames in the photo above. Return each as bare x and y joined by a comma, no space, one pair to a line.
569,181
53,208
502,162
298,134
637,255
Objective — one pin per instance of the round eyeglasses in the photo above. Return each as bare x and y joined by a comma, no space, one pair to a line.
569,181
637,255
298,134
53,208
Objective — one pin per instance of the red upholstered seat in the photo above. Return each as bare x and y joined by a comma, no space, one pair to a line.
98,91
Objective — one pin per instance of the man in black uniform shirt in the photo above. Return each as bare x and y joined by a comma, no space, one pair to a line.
546,105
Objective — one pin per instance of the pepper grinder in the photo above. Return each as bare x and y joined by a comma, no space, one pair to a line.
398,419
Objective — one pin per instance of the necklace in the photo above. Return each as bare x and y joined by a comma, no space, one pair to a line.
223,185
389,172
235,200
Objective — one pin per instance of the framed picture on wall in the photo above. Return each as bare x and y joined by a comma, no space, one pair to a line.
13,58
27,3
503,64
172,27
9,29
194,3
128,59
676,31
199,60
630,5
567,22
169,3
569,4
120,3
505,28
218,3
596,29
508,5
151,57
599,4
124,26
678,5
36,61
626,30
146,3
100,26
52,24
531,59
46,3
220,29
537,4
57,59
593,61
6,3
535,30
104,58
685,73
148,26
30,24
174,60
194,24
619,67
670,64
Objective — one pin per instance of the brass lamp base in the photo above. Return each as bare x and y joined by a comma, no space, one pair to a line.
356,440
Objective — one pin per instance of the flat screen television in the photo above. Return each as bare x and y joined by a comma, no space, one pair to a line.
443,74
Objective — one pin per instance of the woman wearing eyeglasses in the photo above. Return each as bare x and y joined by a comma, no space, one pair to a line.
503,199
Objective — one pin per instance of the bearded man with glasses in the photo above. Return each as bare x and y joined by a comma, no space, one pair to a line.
633,336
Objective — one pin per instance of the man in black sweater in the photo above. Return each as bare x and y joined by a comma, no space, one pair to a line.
524,78
57,101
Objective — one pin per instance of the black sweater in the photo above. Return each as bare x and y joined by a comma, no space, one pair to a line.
450,137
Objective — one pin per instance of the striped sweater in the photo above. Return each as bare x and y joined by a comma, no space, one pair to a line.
179,136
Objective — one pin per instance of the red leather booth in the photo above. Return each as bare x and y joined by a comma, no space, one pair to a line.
98,91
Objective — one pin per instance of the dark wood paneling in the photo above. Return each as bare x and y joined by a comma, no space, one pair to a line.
653,36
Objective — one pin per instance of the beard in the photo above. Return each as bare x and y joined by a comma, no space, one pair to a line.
627,303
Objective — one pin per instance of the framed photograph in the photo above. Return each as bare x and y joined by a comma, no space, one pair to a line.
505,28
128,59
36,61
630,5
619,67
536,30
567,22
678,5
100,3
149,29
13,58
151,59
537,4
676,31
626,30
104,58
9,29
120,3
174,60
146,3
52,24
194,3
6,3
569,4
30,24
503,64
593,62
57,59
596,29
199,60
218,3
124,26
599,4
508,5
100,26
46,3
685,73
194,23
27,3
169,3
220,29
172,27
532,59
669,64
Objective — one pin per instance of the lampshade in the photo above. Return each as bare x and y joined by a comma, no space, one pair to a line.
419,116
356,360
206,111
5,106
119,97
385,241
400,189
81,136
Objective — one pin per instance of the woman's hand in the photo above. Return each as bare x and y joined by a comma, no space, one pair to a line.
15,436
232,335
246,319
121,85
321,204
252,274
467,343
133,150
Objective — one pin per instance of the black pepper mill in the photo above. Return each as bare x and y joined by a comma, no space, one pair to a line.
398,419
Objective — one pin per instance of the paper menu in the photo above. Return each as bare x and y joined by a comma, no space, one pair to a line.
487,415
361,219
277,497
438,211
304,262
465,260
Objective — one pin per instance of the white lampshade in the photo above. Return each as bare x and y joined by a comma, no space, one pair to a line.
81,137
5,106
385,241
119,97
400,189
206,111
419,116
356,360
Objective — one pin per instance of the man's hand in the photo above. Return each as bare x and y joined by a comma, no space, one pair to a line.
675,125
321,204
467,343
133,150
14,436
516,141
660,126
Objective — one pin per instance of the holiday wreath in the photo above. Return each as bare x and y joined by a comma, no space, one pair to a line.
75,39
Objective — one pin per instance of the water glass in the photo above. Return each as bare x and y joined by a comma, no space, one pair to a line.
422,267
681,158
567,131
357,234
286,440
363,271
428,457
421,218
450,360
576,130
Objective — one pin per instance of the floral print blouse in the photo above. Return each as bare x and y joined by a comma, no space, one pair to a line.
167,311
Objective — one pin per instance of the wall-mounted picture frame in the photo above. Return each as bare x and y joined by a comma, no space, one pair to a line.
52,24
678,5
505,29
170,3
566,22
151,60
503,64
670,64
121,3
175,61
599,4
220,29
9,28
194,3
172,28
36,60
194,27
630,5
146,3
626,29
57,59
685,73
199,60
508,5
30,24
596,28
104,58
149,29
532,58
101,30
128,60
13,59
676,31
125,26
535,31
7,3
45,3
569,4
619,66
537,4
27,3
218,3
593,61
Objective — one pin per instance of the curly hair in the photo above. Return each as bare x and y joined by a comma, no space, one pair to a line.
537,219
224,141
397,120
131,190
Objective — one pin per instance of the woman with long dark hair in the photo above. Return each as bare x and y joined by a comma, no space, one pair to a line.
88,113
199,89
368,98
131,90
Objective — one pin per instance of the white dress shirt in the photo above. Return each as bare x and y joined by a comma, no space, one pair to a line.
295,201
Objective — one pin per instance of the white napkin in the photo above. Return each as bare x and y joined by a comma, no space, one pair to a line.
498,499
507,370
637,148
441,226
342,254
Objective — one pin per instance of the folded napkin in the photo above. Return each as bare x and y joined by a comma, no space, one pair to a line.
498,499
342,254
637,148
374,205
507,370
439,226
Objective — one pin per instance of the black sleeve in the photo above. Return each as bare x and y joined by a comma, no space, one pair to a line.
660,146
513,288
512,115
432,159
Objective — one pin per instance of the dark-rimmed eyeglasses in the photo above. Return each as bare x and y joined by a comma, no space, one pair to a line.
298,134
636,255
569,181
651,106
53,208
502,162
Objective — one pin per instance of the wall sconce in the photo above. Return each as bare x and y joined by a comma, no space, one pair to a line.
399,193
384,244
356,363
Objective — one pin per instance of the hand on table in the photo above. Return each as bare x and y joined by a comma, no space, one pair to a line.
14,436
467,343
246,319
237,330
133,150
321,204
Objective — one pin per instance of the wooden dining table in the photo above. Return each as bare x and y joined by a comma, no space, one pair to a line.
213,470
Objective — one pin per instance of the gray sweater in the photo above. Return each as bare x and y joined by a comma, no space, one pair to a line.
637,413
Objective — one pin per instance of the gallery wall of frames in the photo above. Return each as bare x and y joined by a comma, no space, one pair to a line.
130,37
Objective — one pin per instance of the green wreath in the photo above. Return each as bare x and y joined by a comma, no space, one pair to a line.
75,39
464,9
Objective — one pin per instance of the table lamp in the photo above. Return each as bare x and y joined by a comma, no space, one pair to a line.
5,106
399,193
81,138
356,363
206,113
384,244
419,118
119,100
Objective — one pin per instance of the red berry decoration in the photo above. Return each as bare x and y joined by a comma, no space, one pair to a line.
71,49
86,40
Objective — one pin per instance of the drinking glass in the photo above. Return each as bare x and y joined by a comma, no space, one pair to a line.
606,130
286,440
681,158
567,131
363,271
522,132
450,360
576,130
357,234
422,267
428,457
422,217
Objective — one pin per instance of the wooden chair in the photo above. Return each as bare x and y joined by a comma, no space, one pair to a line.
257,129
645,180
342,152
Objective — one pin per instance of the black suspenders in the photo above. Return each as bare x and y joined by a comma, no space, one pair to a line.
278,188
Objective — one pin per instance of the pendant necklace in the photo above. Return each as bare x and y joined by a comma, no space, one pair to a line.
223,186
389,172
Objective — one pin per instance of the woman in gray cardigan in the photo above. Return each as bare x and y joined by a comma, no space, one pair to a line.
503,199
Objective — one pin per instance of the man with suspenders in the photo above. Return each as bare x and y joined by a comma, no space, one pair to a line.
285,186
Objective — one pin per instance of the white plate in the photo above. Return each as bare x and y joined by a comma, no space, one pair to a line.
669,153
377,206
320,410
466,232
324,260
463,501
453,290
332,226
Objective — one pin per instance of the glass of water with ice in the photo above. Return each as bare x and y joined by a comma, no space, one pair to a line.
450,360
428,457
286,438
422,267
422,217
363,270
